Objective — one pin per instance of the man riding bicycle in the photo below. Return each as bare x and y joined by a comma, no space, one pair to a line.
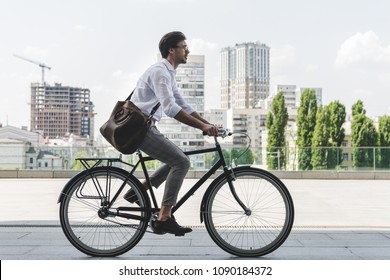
158,84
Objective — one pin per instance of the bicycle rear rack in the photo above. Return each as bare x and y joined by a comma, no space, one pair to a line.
90,162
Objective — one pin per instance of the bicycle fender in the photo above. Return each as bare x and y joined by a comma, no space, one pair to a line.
68,184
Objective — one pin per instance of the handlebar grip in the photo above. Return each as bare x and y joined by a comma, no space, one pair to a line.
222,132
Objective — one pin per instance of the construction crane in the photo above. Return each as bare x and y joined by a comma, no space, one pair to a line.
42,65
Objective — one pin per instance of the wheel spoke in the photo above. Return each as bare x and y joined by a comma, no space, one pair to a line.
258,232
88,223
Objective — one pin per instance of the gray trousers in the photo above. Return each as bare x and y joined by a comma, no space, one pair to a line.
175,168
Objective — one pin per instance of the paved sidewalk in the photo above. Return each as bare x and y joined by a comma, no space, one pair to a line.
335,220
43,241
40,242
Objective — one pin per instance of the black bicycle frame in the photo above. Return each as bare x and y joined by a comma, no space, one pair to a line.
229,174
220,163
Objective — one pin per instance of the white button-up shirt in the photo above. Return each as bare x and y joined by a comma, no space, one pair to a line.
158,84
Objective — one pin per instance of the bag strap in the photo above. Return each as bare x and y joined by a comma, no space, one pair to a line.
153,110
148,121
131,94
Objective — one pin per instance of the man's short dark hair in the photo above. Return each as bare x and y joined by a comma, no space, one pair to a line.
170,40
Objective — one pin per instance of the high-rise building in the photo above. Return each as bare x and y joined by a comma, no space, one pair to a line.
59,110
245,75
250,122
219,117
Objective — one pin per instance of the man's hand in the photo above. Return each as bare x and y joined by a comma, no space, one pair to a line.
210,130
195,120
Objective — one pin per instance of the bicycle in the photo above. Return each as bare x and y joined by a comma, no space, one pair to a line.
247,211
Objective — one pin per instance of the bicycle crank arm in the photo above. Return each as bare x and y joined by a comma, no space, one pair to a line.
125,215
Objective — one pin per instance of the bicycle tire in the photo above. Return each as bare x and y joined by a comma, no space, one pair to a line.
255,233
81,212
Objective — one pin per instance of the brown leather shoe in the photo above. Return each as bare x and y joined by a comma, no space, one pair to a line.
170,226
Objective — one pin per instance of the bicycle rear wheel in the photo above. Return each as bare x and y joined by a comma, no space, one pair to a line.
263,227
96,219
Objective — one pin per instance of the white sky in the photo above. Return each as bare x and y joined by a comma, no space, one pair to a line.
341,46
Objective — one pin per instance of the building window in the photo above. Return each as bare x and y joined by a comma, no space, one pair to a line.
31,160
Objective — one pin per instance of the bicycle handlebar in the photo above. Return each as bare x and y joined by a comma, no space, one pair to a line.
222,132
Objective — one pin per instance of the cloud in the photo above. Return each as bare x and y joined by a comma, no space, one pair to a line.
311,68
362,93
35,51
362,48
125,77
282,56
199,45
169,1
81,28
384,78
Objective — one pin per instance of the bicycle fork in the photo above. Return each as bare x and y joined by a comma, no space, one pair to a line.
229,175
231,178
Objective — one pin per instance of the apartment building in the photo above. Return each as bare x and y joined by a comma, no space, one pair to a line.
61,110
289,93
219,117
245,75
245,82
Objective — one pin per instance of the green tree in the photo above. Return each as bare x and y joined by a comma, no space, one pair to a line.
364,137
306,122
337,114
358,108
321,138
276,123
76,165
226,154
240,156
384,141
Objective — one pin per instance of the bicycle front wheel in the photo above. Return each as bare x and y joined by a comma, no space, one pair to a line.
262,226
96,219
